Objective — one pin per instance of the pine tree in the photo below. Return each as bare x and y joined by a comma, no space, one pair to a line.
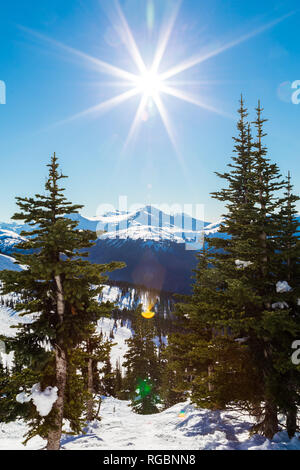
118,382
287,307
93,352
4,379
142,366
207,363
108,378
172,389
57,290
235,352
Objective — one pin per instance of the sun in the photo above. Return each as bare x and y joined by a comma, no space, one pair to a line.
149,84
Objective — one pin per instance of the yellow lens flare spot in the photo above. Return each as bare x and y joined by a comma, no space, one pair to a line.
181,414
149,313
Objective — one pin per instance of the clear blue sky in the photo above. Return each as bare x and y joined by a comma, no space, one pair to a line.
46,84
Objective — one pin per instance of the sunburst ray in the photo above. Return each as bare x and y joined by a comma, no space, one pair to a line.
164,38
128,39
99,64
196,60
137,120
192,100
104,106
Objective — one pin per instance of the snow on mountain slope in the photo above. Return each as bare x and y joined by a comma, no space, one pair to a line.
131,297
8,320
7,262
157,247
121,429
121,334
14,227
8,239
114,294
145,223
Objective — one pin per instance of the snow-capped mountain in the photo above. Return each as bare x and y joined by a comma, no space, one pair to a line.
145,223
159,248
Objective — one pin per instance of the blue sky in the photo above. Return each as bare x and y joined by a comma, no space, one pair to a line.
47,84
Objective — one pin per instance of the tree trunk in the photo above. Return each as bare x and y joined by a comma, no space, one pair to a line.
90,403
54,436
270,425
210,371
291,421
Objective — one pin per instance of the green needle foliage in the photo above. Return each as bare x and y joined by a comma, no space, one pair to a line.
237,329
58,290
142,366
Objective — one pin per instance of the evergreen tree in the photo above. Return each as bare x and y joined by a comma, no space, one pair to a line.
94,351
118,382
173,387
236,344
4,379
287,307
108,378
57,288
142,366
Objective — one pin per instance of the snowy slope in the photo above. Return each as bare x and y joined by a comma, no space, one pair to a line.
131,297
121,334
7,262
122,429
8,240
8,320
145,223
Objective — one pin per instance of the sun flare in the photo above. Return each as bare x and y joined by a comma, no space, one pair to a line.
149,84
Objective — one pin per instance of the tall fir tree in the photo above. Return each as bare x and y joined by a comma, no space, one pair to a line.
107,386
118,382
238,330
288,308
142,366
57,292
95,351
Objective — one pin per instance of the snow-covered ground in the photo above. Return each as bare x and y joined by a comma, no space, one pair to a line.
7,262
180,427
121,429
121,335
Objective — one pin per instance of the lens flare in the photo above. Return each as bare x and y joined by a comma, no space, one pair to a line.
144,387
149,313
